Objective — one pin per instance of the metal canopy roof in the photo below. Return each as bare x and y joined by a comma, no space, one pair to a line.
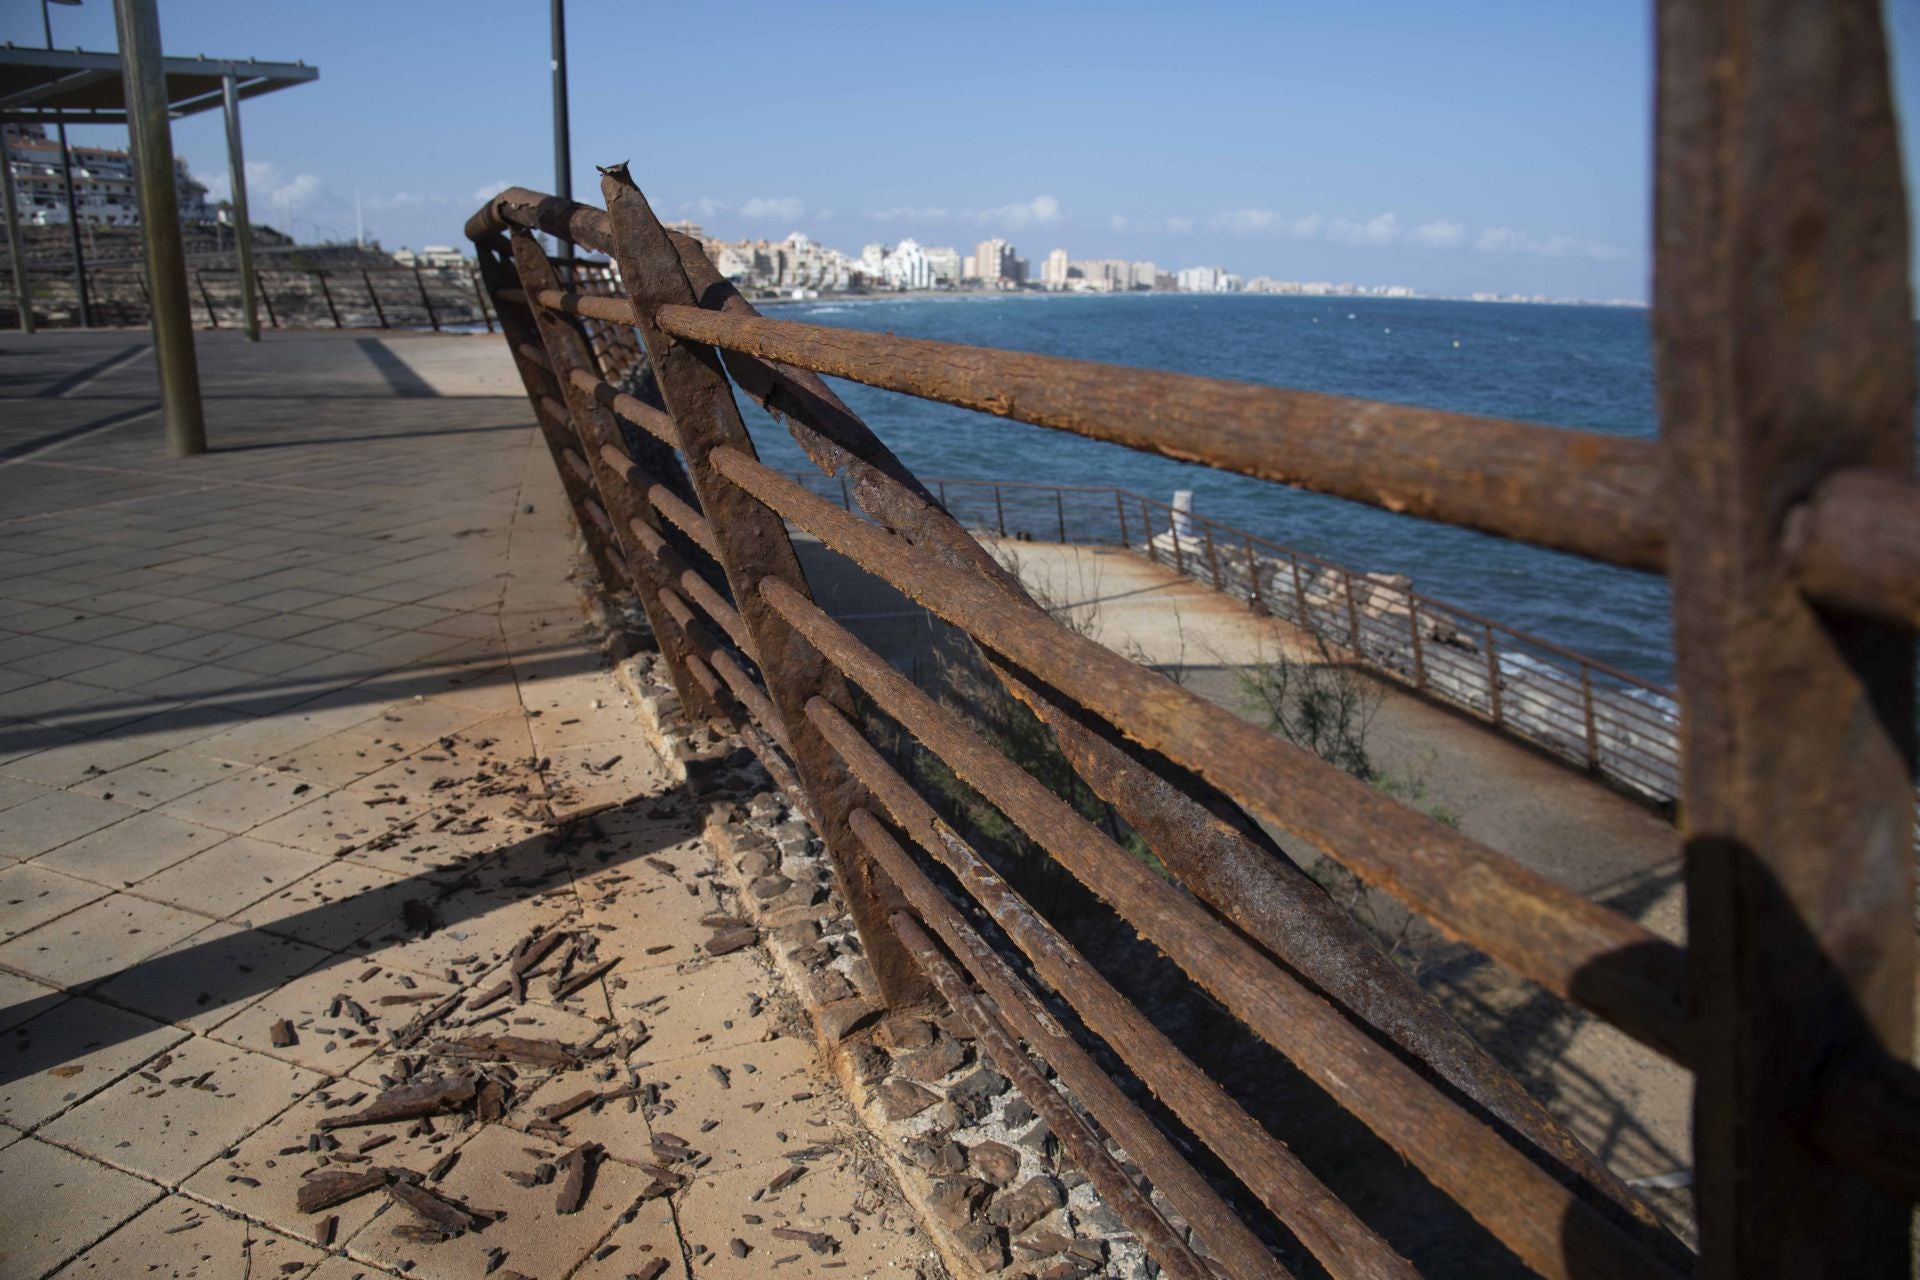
72,86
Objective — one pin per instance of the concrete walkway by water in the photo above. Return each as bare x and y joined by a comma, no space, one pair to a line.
306,755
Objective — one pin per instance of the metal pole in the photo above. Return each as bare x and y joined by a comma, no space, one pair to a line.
151,135
242,226
16,245
66,180
562,135
327,293
426,301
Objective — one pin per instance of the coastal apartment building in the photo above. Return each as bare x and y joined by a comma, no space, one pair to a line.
104,191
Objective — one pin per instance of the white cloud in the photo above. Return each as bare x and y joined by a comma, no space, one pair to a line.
704,207
1249,221
491,189
1179,226
786,208
1508,240
908,213
1380,229
1439,235
1041,211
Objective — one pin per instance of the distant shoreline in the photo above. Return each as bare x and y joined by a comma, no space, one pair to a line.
924,295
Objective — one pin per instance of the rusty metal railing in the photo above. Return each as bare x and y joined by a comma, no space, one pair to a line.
1586,712
1786,375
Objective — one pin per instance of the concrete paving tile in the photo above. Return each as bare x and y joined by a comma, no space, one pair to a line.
209,976
333,1043
275,1156
72,763
71,1052
30,896
539,1241
346,608
650,1234
243,800
98,940
46,618
338,1268
183,1239
472,922
287,599
229,877
130,851
212,1097
408,646
11,679
278,658
281,626
465,625
211,645
781,1076
23,998
341,822
65,659
47,822
25,737
200,682
340,758
835,1197
180,726
334,907
132,671
58,1204
416,723
50,699
348,635
14,647
263,739
696,1003
155,635
157,779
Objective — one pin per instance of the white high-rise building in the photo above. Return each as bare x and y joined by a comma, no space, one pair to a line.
1142,275
946,266
907,267
993,261
1203,280
1053,272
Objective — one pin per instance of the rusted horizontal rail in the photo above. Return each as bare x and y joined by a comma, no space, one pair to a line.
1226,1234
1587,493
1165,1245
1573,947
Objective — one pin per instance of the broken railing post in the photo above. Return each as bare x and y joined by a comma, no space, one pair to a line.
594,430
754,548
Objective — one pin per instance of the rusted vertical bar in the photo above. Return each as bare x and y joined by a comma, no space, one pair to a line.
378,310
754,548
1254,601
421,282
1146,532
1119,505
1300,596
334,311
213,317
1353,612
943,493
1060,509
593,426
480,299
516,321
1173,527
1213,558
1493,675
1586,706
1783,327
1419,653
999,509
266,299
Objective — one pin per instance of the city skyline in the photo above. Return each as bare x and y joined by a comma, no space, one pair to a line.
1487,146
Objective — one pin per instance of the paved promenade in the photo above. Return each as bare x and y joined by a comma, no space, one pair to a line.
316,796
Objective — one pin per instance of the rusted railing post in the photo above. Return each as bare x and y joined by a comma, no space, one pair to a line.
594,430
1173,527
1586,706
1353,612
1783,334
1146,532
523,341
426,301
334,311
999,510
1254,602
754,549
1419,653
1119,505
1300,597
213,317
1060,509
266,299
1493,675
373,294
1213,558
480,300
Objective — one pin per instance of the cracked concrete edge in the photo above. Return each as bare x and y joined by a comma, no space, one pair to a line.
747,815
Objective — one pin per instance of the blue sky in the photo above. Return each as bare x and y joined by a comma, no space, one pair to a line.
1480,144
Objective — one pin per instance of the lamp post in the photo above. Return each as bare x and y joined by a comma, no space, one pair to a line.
562,140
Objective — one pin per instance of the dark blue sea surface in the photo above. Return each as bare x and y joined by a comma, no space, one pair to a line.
1584,367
